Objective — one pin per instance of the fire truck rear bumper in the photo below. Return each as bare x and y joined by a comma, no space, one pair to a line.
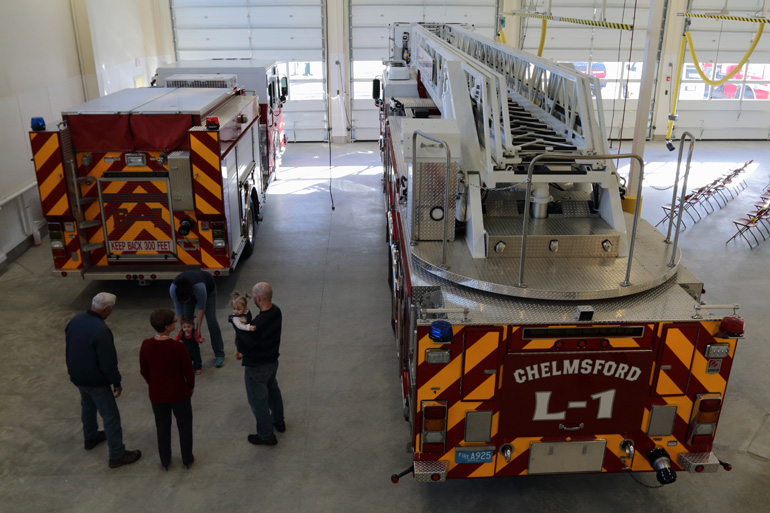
135,273
698,462
430,471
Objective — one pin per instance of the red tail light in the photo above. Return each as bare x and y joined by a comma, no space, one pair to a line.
704,418
218,235
55,234
732,326
434,424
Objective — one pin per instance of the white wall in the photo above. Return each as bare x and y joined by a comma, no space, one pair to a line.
51,53
39,76
124,42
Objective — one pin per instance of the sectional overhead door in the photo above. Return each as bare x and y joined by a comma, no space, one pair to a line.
368,39
290,32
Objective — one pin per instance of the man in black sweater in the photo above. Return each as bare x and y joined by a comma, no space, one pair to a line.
260,360
92,364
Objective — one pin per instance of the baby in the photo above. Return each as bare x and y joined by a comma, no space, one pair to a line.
241,317
191,342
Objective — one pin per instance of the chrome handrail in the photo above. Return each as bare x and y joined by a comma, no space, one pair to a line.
683,199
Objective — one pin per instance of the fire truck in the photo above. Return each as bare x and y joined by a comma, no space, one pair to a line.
256,77
145,183
540,328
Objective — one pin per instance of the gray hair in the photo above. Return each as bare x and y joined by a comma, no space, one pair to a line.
103,301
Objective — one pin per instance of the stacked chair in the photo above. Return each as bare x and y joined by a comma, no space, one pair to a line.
709,197
756,222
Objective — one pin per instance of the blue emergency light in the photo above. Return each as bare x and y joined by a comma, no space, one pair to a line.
440,331
38,124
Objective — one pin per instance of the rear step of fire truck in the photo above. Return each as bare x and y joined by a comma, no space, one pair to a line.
540,329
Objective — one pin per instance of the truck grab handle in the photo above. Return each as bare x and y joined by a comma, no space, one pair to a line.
698,308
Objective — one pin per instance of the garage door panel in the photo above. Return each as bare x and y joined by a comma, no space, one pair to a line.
212,39
299,55
370,38
284,16
280,38
382,15
210,17
478,15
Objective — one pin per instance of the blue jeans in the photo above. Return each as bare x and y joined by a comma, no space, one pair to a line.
264,397
101,399
188,311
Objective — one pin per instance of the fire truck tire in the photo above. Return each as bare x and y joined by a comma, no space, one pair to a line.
251,231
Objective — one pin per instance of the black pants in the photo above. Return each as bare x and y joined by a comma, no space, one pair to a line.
194,350
183,412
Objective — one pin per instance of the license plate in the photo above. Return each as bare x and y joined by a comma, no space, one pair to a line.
140,245
474,456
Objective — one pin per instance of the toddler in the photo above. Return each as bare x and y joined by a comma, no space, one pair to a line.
241,317
187,337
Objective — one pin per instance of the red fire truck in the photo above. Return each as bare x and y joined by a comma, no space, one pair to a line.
144,183
540,329
255,77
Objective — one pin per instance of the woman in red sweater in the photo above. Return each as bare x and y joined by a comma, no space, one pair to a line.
167,369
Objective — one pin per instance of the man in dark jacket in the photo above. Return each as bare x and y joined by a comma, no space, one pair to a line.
260,359
92,363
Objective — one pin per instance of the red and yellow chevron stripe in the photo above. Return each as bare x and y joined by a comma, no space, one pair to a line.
473,381
207,172
49,171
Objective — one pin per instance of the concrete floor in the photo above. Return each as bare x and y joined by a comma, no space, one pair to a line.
345,433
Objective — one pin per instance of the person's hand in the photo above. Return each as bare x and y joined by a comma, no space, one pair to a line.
117,391
179,335
198,338
252,327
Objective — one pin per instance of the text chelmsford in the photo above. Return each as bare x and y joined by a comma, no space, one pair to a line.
577,366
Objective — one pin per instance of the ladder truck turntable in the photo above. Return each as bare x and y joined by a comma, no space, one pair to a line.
540,329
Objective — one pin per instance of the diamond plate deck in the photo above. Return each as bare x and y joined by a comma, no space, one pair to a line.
556,278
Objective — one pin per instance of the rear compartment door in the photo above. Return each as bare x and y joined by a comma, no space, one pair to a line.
136,216
576,390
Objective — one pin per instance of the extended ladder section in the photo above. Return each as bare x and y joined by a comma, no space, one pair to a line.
524,138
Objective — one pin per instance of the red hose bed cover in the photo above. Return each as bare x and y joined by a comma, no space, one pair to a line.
100,132
161,132
129,132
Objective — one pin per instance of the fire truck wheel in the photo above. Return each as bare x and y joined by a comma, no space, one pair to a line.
251,231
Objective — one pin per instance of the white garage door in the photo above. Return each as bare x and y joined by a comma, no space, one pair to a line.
369,20
287,31
740,108
607,51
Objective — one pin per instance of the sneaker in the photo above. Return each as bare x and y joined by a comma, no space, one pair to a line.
280,426
220,361
198,371
100,437
128,458
254,439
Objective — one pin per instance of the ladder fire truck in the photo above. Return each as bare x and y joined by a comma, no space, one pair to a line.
145,183
540,329
256,77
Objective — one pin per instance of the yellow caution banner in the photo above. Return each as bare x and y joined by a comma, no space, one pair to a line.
724,17
591,23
